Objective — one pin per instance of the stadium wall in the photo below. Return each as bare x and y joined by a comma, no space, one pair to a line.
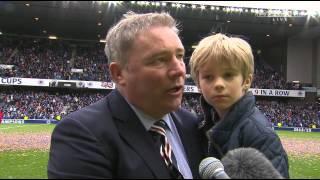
29,121
317,59
299,60
51,121
276,56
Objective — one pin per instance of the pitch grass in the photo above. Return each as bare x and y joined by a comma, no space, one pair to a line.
299,135
306,166
26,128
32,164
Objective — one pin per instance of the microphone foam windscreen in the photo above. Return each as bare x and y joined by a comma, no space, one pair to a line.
248,163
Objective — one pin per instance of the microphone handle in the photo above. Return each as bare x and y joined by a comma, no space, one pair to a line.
221,175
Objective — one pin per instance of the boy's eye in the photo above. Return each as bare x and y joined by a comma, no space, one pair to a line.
228,75
207,77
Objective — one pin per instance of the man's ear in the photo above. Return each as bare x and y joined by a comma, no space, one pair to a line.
116,72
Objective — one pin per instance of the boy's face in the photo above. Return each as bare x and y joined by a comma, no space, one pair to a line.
222,86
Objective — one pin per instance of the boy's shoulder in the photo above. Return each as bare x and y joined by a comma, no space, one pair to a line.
256,121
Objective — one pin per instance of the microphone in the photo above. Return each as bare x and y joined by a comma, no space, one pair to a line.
212,168
249,163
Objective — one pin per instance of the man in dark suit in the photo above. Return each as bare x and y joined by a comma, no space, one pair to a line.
111,138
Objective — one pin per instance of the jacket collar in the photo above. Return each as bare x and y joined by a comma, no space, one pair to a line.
186,136
223,129
133,132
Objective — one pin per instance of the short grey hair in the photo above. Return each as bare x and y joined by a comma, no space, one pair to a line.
121,36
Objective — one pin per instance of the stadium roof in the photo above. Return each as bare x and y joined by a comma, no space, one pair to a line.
90,20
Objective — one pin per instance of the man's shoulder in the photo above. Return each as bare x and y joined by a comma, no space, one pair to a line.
90,114
185,113
94,119
186,117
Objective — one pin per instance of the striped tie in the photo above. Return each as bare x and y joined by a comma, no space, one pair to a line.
158,130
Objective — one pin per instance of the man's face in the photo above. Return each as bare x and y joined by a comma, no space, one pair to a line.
155,73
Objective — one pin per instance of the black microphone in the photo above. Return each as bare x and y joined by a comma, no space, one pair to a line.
249,163
212,168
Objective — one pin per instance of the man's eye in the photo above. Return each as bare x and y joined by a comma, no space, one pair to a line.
161,59
156,60
180,56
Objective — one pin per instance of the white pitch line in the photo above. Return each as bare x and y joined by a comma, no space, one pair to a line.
10,127
21,126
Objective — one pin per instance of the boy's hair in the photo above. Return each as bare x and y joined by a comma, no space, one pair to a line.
234,52
122,35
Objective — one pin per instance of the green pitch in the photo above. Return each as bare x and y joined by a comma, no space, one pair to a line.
299,135
26,128
303,166
32,163
25,164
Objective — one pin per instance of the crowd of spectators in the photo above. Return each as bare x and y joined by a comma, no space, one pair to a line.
265,77
191,103
93,62
39,104
36,104
36,58
55,59
290,114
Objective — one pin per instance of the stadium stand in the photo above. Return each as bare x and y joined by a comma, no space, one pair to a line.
36,103
70,60
61,59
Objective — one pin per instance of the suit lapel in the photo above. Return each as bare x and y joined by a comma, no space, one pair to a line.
188,137
134,133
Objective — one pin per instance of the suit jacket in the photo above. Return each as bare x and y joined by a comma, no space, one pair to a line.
107,140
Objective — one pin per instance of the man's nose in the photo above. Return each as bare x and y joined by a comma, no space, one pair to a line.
177,68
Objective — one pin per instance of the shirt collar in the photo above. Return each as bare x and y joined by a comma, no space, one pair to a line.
146,119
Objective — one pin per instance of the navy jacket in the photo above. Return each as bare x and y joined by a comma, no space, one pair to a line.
243,126
107,140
